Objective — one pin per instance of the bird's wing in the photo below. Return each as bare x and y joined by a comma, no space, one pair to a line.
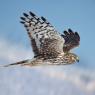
44,38
72,40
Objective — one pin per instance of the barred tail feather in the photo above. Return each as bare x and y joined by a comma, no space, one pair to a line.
17,63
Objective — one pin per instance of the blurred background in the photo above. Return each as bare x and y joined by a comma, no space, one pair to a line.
76,79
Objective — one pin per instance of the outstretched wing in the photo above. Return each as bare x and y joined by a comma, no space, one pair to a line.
72,40
46,41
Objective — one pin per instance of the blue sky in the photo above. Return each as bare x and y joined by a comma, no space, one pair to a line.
79,15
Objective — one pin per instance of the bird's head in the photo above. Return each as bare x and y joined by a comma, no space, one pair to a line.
71,58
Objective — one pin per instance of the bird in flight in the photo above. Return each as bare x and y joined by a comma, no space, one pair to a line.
49,46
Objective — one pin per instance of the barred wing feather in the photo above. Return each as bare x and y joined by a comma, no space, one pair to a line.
44,38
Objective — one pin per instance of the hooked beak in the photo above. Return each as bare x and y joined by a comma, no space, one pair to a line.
77,59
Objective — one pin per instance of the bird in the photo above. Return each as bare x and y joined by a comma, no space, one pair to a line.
49,46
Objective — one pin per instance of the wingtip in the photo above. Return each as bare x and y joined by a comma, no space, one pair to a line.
22,22
31,13
77,34
70,30
22,18
26,15
44,19
65,32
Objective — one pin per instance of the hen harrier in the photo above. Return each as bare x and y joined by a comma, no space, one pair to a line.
49,46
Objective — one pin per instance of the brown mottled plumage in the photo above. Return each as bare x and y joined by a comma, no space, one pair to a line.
49,46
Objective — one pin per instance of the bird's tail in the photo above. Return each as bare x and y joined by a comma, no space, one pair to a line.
17,63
